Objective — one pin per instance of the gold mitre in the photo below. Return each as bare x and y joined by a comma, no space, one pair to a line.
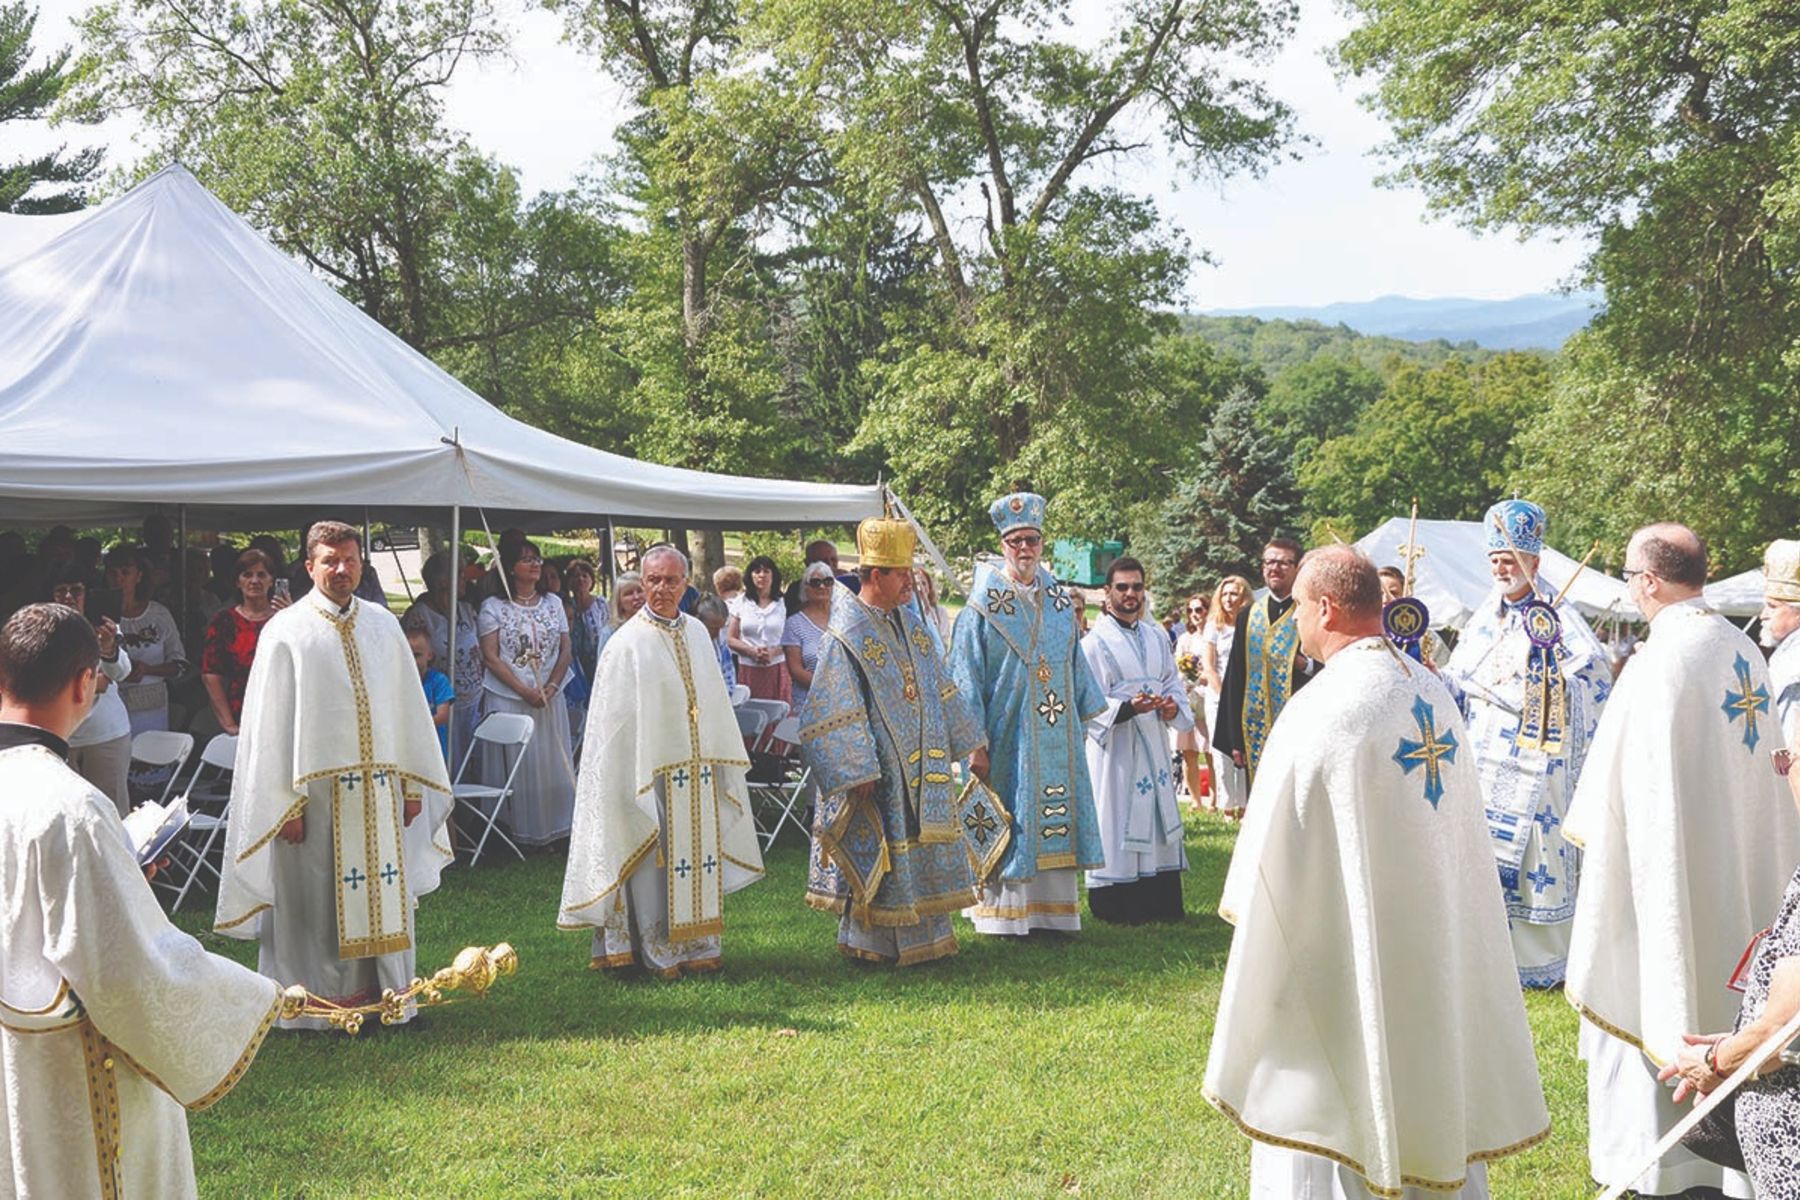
885,542
1781,571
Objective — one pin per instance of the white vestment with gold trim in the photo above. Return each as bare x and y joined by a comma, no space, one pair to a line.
1689,839
113,1023
1370,1012
335,729
662,794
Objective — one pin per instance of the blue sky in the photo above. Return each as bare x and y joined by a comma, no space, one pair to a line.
1309,232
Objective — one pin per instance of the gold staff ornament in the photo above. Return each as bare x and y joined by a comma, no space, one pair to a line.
1405,619
473,970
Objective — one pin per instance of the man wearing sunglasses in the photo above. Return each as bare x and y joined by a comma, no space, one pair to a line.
1017,661
1266,665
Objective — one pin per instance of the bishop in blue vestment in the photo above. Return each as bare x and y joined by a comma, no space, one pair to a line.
883,726
1016,658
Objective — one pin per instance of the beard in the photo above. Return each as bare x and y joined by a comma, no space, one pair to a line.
1765,634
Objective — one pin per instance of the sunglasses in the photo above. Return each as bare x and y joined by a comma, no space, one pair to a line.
1128,587
818,583
1023,542
1278,562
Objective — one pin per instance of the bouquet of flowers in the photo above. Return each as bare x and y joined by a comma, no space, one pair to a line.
1189,666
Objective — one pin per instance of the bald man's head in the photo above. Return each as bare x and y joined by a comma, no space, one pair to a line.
1670,551
1346,575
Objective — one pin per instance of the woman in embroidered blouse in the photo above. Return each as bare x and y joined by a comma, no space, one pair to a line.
148,632
525,646
590,620
231,638
1766,1111
758,620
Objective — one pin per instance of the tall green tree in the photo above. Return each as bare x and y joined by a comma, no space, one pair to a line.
1670,136
320,120
1313,401
1238,493
989,121
1444,435
48,183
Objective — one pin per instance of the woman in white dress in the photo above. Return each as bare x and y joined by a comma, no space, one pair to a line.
1230,788
525,647
1190,648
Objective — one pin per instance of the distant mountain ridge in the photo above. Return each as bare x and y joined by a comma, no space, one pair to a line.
1541,321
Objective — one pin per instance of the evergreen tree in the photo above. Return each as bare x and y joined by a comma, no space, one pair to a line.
26,94
1239,493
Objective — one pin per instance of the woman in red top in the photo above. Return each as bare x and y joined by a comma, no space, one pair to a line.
231,638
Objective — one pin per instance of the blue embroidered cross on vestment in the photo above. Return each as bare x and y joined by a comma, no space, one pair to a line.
355,878
1541,878
1746,702
1429,751
389,873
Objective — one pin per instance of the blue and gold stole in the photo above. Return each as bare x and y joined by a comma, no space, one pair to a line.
1268,675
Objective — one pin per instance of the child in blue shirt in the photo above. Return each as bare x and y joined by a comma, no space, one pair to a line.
439,693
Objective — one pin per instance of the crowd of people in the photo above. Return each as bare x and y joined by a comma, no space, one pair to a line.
1426,831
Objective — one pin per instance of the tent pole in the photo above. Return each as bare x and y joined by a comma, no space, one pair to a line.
612,559
180,565
456,572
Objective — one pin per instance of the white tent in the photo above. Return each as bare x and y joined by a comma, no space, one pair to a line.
1737,595
158,352
1452,575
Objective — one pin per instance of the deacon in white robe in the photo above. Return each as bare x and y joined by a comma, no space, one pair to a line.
1129,761
662,808
339,793
1370,1036
1531,710
1689,841
113,1023
1780,621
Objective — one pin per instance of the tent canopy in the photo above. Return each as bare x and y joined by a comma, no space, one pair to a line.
1738,595
159,352
1452,575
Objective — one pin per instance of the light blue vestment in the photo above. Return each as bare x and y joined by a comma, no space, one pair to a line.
1016,658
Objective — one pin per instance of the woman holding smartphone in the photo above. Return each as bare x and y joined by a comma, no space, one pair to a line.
232,634
100,747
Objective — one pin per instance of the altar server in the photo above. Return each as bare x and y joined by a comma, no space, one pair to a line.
1532,679
1017,661
662,807
1128,757
339,796
113,1023
1689,841
1370,1038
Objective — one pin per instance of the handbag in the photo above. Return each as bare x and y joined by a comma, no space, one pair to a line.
1715,1137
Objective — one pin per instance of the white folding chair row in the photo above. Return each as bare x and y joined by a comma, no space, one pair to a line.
750,724
163,748
208,788
786,797
507,730
740,692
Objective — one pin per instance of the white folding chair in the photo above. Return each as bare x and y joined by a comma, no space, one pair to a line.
511,730
773,711
208,788
785,796
750,724
162,748
740,692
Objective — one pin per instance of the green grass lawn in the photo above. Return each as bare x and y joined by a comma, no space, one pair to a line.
1044,1068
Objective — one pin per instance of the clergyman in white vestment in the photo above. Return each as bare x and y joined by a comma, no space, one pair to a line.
113,1023
1371,1038
339,794
1531,710
1128,757
1689,841
662,808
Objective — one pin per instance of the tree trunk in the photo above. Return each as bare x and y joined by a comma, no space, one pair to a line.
709,556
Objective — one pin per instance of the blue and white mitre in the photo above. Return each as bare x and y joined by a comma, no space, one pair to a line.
1021,510
1523,522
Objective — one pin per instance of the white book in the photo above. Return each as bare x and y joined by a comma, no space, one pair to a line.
152,826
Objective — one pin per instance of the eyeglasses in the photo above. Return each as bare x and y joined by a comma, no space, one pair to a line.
1023,541
1279,562
70,590
1128,587
528,559
1197,608
818,583
1628,572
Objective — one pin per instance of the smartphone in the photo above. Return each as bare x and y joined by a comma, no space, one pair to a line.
280,590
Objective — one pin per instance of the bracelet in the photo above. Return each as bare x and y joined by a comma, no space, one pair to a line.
1711,1058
